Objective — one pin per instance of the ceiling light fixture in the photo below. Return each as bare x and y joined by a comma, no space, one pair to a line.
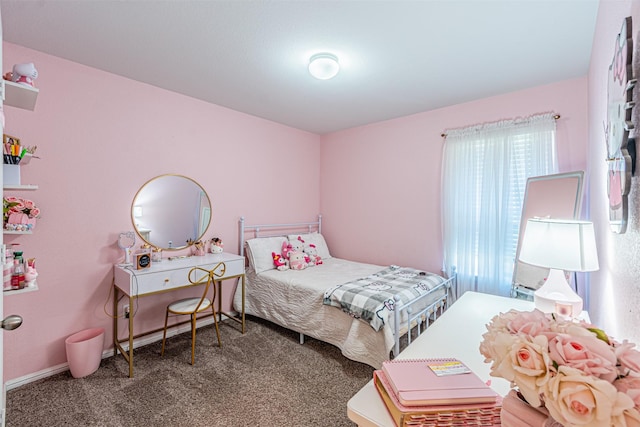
323,66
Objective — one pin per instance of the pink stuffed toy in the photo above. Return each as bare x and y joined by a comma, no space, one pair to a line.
293,252
296,260
280,263
30,277
286,249
24,74
298,244
216,245
312,255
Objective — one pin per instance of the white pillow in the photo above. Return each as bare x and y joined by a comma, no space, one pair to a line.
260,252
315,239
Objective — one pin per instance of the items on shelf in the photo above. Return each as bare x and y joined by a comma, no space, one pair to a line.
19,214
18,273
23,74
14,153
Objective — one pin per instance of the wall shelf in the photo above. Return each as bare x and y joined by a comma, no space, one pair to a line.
21,187
16,232
24,290
19,95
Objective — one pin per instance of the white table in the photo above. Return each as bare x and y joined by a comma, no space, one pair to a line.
165,276
456,333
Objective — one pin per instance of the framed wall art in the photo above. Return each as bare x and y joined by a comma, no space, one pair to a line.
617,127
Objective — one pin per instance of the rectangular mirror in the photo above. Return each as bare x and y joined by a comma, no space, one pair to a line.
554,196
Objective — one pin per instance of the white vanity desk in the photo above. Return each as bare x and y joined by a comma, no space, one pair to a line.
456,333
166,276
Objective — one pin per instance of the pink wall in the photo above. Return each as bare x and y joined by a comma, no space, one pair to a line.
101,137
380,184
615,296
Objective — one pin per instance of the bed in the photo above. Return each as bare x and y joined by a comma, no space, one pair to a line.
308,301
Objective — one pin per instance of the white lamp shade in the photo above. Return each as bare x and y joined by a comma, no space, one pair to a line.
324,66
561,244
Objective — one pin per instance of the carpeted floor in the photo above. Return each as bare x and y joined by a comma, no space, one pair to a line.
262,378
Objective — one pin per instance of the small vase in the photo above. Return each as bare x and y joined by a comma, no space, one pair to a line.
20,218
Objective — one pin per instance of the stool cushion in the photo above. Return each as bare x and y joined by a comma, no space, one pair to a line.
188,305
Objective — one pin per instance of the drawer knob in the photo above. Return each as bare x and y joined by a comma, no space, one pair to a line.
166,280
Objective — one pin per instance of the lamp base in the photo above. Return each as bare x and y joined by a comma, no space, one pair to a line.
556,296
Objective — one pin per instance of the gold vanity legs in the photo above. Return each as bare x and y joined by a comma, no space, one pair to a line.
240,320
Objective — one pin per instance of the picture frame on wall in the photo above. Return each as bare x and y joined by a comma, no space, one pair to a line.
619,105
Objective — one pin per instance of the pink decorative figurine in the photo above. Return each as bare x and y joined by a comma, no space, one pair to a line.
216,245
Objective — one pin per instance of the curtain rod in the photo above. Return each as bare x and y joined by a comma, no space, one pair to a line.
557,116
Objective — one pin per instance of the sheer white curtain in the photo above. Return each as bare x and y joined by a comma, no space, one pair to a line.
485,170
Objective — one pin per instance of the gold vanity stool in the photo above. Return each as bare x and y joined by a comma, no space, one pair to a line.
195,305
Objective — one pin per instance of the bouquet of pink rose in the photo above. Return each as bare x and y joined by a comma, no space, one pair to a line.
573,369
20,206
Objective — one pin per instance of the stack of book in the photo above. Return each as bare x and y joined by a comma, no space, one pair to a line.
436,392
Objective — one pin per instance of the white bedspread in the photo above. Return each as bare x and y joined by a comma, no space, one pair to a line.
294,300
281,297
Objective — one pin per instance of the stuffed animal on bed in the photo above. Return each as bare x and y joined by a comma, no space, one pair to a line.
287,248
281,263
297,244
296,260
312,255
291,246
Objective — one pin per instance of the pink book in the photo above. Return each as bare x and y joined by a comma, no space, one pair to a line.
480,414
422,382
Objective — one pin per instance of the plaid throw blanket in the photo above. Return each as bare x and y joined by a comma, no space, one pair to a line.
372,298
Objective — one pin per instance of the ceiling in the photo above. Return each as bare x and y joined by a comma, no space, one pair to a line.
397,57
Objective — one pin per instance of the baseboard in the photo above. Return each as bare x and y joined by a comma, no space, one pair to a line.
140,342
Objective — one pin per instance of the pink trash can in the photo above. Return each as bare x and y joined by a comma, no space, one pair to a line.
84,351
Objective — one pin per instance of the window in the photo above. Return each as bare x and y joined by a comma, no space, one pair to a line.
485,171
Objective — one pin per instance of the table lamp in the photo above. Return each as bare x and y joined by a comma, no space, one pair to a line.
560,245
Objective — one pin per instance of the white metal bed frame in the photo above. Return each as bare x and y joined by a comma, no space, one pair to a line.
417,318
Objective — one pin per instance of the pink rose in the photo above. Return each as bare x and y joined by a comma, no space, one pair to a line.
629,418
18,206
28,204
496,344
529,322
628,357
573,328
500,322
35,212
526,366
573,398
629,386
587,353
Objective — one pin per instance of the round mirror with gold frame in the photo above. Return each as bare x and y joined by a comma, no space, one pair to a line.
171,211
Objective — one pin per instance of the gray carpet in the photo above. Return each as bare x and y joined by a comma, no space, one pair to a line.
262,378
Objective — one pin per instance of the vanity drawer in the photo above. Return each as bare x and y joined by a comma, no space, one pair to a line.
171,274
234,267
159,281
